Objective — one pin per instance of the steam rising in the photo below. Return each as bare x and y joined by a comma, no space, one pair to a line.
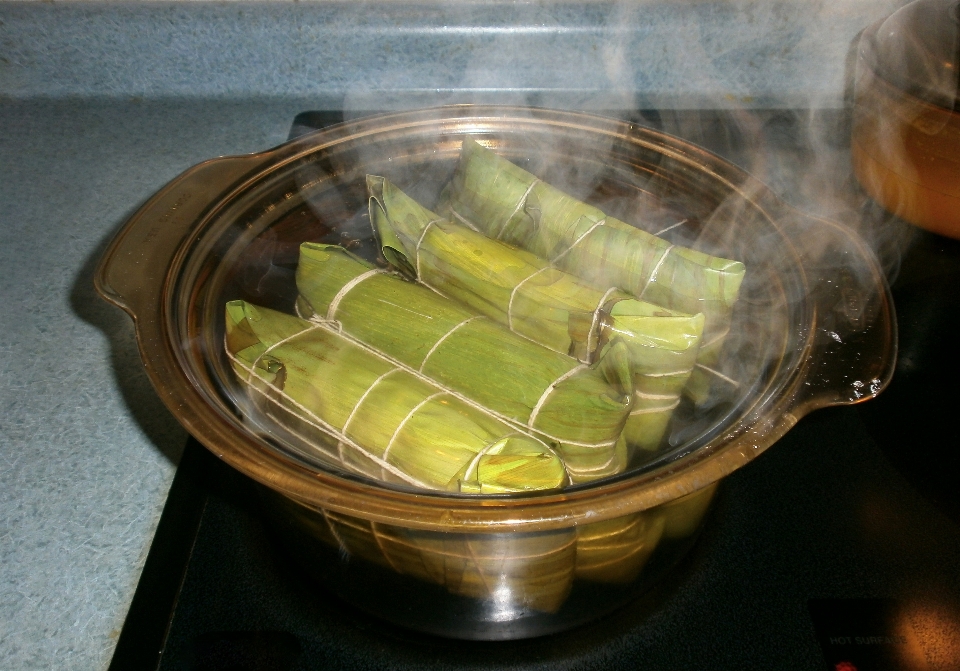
798,145
768,86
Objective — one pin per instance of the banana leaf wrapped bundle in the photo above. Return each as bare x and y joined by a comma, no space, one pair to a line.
682,516
493,196
535,568
577,408
615,551
542,303
381,415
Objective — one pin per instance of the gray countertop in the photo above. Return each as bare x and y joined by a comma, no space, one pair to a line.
600,53
87,451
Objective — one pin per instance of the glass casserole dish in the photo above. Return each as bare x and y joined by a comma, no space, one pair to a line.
813,326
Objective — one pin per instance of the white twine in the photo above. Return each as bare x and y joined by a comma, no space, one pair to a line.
473,404
315,318
410,414
363,397
445,336
272,347
576,242
653,274
420,241
672,373
297,311
717,338
596,318
333,531
594,469
671,227
549,390
463,220
656,397
322,425
513,295
551,265
516,288
342,439
346,288
719,375
520,204
525,337
648,411
486,448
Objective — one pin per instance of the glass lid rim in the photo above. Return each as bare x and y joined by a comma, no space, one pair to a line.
629,476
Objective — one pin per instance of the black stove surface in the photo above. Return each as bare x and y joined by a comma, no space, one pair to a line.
838,548
824,515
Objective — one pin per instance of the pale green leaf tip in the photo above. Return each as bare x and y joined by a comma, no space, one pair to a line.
317,250
375,184
235,311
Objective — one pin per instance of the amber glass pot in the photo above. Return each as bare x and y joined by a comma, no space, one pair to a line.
813,327
906,118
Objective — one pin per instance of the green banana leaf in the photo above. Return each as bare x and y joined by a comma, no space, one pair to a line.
492,195
387,422
549,306
507,284
537,568
578,408
615,551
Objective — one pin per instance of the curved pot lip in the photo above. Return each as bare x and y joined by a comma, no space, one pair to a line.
869,57
906,105
438,510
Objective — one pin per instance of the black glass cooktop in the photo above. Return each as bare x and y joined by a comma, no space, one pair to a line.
838,549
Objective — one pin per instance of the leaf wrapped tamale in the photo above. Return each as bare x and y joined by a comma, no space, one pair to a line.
535,568
615,551
578,408
381,415
492,195
547,305
512,286
682,516
662,350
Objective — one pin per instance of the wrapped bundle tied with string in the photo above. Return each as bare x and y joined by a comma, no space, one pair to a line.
501,200
376,417
579,409
536,568
615,551
542,303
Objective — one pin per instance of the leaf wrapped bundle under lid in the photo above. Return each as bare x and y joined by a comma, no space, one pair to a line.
492,195
386,422
580,409
547,305
535,568
615,551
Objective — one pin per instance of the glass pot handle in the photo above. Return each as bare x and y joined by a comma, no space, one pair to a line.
855,344
133,270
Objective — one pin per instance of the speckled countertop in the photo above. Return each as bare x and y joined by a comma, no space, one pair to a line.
87,451
103,103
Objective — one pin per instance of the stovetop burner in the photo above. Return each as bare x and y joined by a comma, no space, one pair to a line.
831,551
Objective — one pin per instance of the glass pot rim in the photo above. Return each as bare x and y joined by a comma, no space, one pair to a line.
916,52
142,269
